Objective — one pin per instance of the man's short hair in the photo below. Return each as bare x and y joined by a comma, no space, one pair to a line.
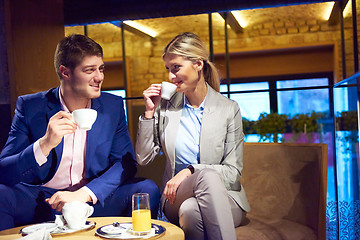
72,49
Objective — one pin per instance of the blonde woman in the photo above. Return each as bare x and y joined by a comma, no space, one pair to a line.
200,133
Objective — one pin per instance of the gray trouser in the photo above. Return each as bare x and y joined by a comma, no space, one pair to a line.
203,209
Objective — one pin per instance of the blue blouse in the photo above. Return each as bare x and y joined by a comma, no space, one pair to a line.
187,146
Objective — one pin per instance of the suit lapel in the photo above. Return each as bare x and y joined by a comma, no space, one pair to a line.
53,102
93,134
207,121
170,128
173,112
54,106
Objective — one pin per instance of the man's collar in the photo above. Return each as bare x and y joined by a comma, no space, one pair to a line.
63,105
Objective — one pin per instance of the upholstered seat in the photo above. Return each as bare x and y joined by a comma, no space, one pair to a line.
286,188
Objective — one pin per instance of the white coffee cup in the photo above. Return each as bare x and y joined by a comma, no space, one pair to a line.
76,213
167,90
84,118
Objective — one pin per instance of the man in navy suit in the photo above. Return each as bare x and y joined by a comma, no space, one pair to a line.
48,161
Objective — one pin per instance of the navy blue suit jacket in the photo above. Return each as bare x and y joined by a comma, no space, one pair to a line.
109,152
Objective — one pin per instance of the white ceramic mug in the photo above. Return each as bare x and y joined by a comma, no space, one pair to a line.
167,90
76,213
84,117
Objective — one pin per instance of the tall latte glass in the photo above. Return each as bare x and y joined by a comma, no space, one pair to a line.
141,216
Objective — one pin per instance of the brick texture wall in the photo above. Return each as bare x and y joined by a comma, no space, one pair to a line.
143,54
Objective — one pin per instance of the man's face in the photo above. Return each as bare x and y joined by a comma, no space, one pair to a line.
86,79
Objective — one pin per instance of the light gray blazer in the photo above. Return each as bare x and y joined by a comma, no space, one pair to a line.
221,140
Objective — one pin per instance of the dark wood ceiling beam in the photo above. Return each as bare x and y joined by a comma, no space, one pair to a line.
335,13
232,22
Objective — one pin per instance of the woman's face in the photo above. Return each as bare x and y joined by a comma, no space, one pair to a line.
185,74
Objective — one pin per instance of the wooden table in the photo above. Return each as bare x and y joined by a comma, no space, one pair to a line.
172,231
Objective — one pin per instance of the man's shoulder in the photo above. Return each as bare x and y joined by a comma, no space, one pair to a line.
39,95
39,98
36,104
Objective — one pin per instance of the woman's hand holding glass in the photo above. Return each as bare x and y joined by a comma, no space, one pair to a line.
152,96
173,184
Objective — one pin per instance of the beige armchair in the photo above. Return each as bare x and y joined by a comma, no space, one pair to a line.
286,188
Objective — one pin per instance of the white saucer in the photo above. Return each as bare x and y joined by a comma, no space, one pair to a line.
111,229
54,229
124,231
49,226
66,229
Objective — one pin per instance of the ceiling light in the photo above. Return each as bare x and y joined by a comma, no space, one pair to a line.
348,9
141,28
231,21
328,10
242,21
217,18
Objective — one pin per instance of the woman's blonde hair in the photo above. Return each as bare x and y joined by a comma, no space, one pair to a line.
189,46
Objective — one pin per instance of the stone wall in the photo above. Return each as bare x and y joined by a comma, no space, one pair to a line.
144,54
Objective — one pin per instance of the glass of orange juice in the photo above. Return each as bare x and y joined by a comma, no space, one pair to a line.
141,216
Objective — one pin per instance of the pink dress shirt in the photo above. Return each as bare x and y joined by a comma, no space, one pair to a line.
71,172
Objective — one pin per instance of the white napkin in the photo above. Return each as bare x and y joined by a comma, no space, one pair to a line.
41,234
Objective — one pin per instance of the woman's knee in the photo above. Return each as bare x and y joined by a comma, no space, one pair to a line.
190,219
189,213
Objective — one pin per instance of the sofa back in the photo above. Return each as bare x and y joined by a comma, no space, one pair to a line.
287,181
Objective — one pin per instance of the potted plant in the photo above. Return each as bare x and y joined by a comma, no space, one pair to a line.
269,125
305,124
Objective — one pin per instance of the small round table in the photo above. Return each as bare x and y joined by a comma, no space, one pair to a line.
172,231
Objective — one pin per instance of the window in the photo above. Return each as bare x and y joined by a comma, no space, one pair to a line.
291,96
292,102
252,103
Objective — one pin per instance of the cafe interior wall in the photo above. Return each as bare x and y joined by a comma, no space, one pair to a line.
29,33
275,30
143,54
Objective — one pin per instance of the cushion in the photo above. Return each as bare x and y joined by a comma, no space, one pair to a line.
282,182
274,229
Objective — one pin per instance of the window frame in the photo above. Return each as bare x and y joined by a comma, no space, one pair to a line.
272,80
